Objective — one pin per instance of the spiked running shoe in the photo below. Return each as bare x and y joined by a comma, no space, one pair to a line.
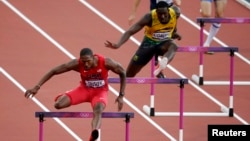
94,135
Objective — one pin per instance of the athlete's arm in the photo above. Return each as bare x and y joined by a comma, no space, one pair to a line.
72,65
178,13
118,69
134,9
145,20
177,2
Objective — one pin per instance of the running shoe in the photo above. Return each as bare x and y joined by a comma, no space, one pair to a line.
159,72
208,52
94,135
160,67
161,75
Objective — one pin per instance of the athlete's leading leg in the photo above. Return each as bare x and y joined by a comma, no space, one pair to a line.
62,101
168,50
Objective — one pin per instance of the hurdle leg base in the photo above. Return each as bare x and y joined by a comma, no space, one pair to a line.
149,111
197,79
231,112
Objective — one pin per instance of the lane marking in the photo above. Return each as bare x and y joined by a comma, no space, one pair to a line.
17,84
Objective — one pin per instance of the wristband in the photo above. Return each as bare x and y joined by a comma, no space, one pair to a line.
121,94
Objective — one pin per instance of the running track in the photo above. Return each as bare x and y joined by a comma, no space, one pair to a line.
37,35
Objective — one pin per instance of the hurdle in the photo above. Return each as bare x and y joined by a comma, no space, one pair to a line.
202,21
149,80
199,49
42,115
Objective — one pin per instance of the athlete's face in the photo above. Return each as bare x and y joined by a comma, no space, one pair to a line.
87,61
163,15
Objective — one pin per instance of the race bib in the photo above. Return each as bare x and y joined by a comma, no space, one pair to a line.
95,83
161,36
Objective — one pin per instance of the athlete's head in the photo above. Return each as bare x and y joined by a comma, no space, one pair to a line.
162,11
87,58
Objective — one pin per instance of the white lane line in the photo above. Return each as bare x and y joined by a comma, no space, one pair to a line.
15,82
60,47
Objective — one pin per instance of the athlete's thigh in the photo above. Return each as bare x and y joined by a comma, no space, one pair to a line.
142,56
133,69
99,96
165,46
220,6
206,8
78,95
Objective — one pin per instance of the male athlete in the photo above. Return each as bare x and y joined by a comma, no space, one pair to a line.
160,30
93,88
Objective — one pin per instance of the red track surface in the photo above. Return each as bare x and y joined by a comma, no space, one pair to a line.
26,55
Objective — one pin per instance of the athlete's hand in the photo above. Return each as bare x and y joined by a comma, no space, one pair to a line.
111,45
31,92
131,19
119,100
176,36
177,2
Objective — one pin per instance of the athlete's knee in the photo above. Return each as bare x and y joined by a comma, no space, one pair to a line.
205,14
98,108
219,15
57,106
174,46
62,101
171,47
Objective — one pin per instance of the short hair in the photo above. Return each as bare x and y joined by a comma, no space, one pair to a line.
162,4
86,51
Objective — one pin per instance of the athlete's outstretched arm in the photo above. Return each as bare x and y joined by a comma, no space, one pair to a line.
145,20
72,65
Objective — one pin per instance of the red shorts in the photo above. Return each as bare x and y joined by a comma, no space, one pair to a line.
82,94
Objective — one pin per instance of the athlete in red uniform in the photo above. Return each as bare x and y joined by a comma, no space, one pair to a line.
93,87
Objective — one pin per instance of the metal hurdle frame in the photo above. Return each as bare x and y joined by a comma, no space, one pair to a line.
148,80
202,21
199,49
42,115
199,80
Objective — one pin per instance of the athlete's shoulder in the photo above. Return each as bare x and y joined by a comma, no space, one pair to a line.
176,10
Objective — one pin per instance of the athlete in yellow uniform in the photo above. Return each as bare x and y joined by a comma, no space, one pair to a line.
160,30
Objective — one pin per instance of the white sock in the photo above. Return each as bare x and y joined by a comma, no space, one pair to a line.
162,65
212,32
